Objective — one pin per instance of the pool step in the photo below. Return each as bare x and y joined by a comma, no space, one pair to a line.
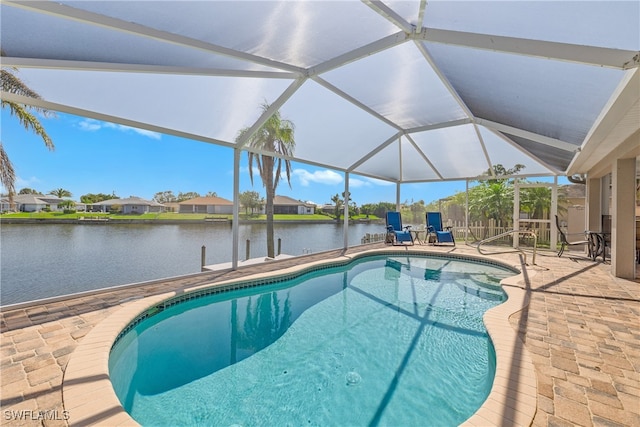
487,292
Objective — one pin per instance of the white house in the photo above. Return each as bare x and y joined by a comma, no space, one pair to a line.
131,205
287,205
36,202
4,204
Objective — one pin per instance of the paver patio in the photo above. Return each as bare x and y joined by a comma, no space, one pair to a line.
581,329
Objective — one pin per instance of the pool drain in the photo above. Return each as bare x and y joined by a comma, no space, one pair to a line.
353,378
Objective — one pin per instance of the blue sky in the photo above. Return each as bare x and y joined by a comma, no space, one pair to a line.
93,156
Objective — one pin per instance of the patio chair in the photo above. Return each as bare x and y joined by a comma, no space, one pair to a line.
563,239
435,229
396,233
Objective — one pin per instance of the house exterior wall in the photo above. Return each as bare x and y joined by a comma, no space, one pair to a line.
135,209
305,210
285,209
206,209
291,210
224,209
31,207
623,225
575,222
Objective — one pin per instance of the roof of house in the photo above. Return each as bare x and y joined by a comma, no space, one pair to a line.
284,200
36,199
28,199
211,200
129,201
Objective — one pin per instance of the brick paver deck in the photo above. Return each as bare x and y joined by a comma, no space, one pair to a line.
581,329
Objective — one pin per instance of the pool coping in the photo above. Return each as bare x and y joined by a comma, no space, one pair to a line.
88,394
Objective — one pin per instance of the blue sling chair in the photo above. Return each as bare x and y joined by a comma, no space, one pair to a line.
434,228
396,233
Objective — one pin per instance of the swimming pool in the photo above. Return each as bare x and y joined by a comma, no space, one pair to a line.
384,340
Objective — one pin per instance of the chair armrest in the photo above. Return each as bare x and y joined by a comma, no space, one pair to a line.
390,228
431,229
407,227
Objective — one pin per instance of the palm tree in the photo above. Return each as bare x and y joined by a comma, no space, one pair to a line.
338,204
12,84
493,198
276,136
60,193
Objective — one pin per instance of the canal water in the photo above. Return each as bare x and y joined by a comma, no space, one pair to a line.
45,260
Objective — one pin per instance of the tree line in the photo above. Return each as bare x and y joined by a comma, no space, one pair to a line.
489,199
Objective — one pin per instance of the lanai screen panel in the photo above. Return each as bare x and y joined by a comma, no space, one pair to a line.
389,156
58,40
556,158
351,75
290,32
208,107
415,166
612,24
552,98
506,152
330,129
407,90
467,158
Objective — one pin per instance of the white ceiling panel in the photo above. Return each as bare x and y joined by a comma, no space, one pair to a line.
375,166
58,40
552,98
415,164
612,24
466,159
408,91
388,89
202,106
331,130
291,32
506,153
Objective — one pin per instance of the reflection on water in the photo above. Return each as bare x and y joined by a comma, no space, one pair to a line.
44,260
212,333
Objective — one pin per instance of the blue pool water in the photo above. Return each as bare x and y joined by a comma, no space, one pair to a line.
391,340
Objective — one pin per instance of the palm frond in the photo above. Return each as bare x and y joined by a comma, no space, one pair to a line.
12,84
29,121
7,174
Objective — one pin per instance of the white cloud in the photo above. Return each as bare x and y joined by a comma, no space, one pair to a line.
368,182
89,125
143,132
358,183
326,176
92,125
